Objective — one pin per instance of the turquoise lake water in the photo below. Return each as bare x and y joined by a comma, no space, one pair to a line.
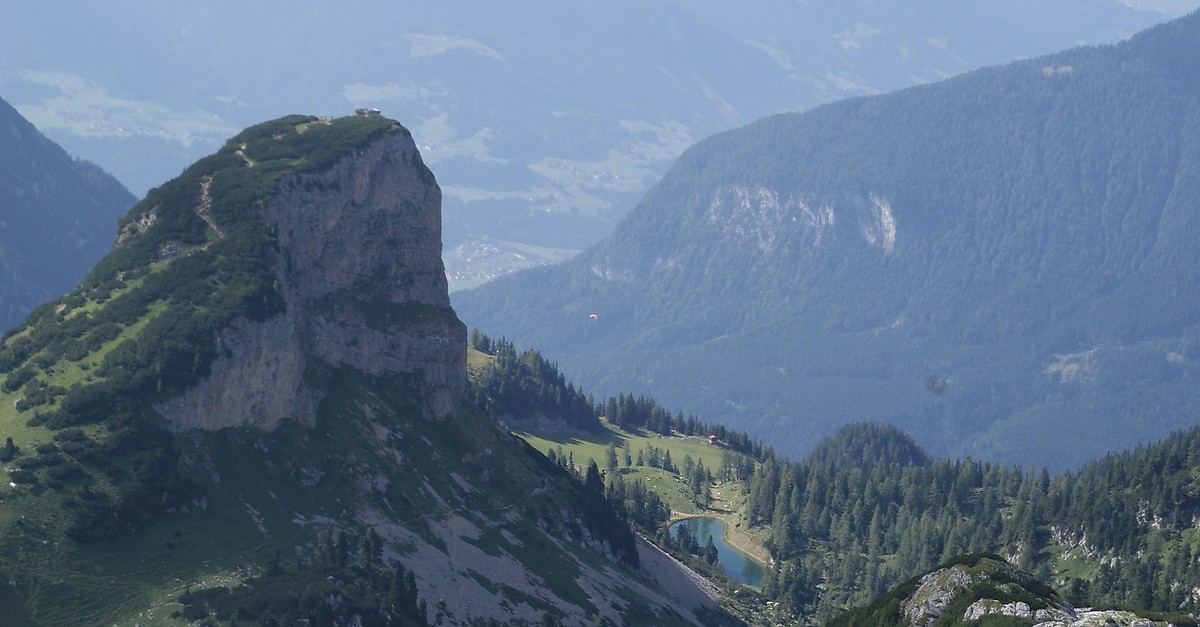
735,563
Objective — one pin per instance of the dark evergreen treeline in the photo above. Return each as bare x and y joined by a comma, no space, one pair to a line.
868,443
340,585
1117,531
642,505
606,518
631,413
645,510
525,384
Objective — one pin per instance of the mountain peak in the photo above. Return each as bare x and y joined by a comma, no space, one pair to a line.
357,266
303,243
267,353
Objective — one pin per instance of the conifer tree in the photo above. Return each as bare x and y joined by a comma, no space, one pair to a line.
710,551
370,550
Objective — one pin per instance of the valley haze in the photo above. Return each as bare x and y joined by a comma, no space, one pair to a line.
545,121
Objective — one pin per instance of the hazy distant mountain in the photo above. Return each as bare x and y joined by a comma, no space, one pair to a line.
58,215
1003,264
544,120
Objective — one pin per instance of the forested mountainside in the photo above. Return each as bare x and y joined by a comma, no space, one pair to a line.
870,510
58,216
1000,264
1119,531
254,410
525,390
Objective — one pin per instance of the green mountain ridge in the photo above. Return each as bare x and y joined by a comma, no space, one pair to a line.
253,410
1003,253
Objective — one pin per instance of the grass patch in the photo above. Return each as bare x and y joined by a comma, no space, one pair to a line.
593,446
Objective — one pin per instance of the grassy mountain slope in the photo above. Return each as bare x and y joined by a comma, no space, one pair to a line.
114,515
481,522
56,217
999,254
139,328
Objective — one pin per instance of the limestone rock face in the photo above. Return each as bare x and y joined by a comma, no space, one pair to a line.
257,380
940,588
360,270
936,592
371,224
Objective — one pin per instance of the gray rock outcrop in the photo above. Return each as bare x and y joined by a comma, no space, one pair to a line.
936,592
941,587
360,271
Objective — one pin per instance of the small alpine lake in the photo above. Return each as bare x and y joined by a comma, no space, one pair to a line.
735,563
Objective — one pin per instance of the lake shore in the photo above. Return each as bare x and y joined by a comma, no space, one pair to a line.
738,565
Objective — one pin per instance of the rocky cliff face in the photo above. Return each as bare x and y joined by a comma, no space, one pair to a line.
997,588
360,271
294,277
